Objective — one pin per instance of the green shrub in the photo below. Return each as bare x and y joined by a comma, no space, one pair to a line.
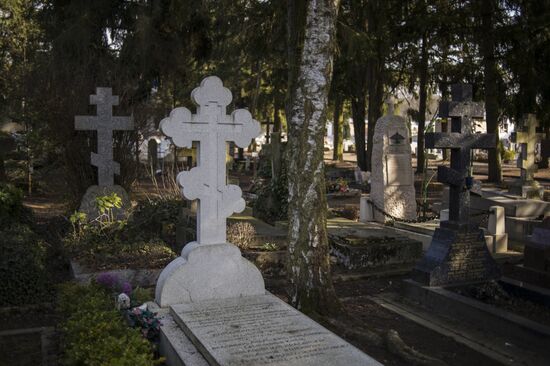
93,333
150,217
11,203
509,155
22,267
272,202
112,245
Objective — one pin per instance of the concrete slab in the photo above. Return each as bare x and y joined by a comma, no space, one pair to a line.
262,330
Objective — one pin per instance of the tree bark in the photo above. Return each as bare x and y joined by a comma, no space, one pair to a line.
375,72
310,282
338,130
423,96
358,102
491,88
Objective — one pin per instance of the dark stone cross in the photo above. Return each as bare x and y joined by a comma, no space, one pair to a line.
458,252
461,140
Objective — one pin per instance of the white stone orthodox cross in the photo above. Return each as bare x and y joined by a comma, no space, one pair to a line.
528,141
105,124
212,128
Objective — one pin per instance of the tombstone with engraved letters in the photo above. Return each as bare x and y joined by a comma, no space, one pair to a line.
392,179
458,252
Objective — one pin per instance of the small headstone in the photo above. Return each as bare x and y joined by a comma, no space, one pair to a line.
537,252
392,179
458,252
527,187
104,123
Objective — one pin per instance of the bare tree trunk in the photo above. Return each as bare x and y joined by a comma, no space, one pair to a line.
338,130
358,103
310,282
490,83
422,83
375,71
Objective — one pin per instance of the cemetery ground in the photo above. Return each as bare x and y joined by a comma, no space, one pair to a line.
32,332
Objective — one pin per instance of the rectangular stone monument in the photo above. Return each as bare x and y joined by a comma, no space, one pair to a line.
458,252
527,137
218,305
392,179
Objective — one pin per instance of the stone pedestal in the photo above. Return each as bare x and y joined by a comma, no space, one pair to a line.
366,211
455,256
531,190
206,272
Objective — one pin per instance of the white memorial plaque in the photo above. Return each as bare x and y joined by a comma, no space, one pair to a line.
262,330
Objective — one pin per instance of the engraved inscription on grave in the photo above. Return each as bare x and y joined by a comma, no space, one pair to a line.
396,165
262,330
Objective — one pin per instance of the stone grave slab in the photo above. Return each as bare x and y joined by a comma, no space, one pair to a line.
537,252
262,330
362,250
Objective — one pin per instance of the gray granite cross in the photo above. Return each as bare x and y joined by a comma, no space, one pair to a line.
104,123
461,140
527,137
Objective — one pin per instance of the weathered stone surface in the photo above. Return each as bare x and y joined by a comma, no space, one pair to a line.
206,272
262,330
211,127
460,140
89,204
456,257
355,252
527,137
105,124
537,252
209,268
458,252
392,180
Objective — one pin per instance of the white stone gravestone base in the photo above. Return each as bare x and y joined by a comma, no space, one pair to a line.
217,302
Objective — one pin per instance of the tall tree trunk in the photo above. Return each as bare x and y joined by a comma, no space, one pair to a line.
338,130
310,282
423,96
3,176
490,83
358,102
375,72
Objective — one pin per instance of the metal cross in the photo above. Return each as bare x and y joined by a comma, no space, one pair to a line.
212,128
528,139
104,123
461,141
